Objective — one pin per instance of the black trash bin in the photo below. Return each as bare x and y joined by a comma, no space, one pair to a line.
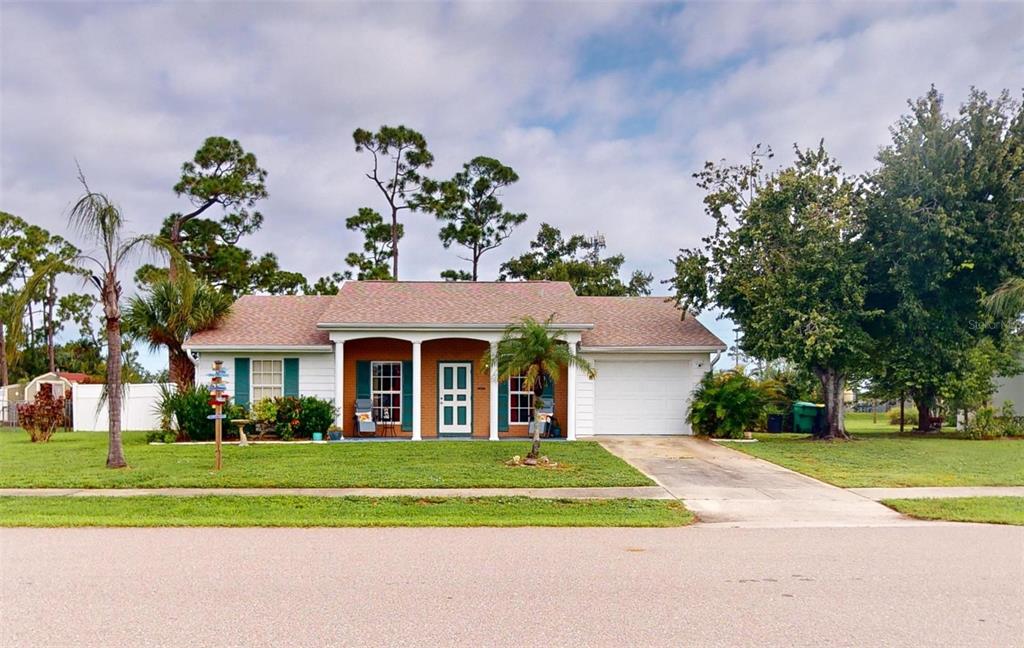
775,422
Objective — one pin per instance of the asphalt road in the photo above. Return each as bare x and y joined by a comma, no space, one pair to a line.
940,585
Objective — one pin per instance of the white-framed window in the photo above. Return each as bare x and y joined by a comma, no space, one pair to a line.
267,379
386,391
520,401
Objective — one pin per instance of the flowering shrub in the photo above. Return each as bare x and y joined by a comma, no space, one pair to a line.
42,417
289,409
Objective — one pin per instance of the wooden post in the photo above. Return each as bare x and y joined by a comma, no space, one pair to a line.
903,399
217,431
218,398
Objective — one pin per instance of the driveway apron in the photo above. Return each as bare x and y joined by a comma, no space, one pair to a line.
728,488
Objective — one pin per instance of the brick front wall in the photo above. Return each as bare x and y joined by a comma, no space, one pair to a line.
432,352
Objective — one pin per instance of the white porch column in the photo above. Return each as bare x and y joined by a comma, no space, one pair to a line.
570,410
417,396
339,382
494,393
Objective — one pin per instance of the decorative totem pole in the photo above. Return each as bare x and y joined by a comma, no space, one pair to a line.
218,399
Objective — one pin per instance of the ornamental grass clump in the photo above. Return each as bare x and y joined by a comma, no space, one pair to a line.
42,416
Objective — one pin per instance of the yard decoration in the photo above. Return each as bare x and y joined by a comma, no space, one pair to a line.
218,399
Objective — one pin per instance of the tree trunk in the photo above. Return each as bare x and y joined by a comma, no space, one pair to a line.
182,371
924,400
833,385
3,356
112,312
394,243
924,415
51,300
175,241
538,394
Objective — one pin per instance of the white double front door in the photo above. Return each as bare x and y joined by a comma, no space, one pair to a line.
455,393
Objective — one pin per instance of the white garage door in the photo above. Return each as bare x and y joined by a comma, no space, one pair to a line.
643,396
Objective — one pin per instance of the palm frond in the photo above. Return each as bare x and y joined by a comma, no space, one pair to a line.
1008,300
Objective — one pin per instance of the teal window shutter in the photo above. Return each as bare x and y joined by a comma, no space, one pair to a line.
503,406
242,382
549,393
291,377
407,394
362,379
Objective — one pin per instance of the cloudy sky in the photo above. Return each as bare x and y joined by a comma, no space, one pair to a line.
605,110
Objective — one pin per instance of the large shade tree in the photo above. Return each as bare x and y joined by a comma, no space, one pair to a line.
579,260
470,210
783,263
537,352
944,230
399,155
167,312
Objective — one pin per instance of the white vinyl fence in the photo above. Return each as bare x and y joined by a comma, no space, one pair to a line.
138,407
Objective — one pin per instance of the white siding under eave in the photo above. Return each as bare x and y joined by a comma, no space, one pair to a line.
584,401
316,370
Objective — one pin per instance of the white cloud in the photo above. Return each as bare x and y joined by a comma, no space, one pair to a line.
604,138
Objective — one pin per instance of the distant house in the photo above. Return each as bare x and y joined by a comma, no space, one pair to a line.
1010,390
413,350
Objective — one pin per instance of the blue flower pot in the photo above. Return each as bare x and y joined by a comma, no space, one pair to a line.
318,436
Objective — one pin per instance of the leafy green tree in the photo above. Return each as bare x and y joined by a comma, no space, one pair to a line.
783,263
943,232
168,312
537,352
221,174
469,207
327,285
379,240
577,260
26,250
456,275
399,154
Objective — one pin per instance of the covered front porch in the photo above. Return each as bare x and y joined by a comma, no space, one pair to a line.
433,386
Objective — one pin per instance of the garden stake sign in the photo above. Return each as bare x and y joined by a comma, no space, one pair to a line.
218,398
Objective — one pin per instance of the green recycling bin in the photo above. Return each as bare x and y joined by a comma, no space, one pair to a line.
805,415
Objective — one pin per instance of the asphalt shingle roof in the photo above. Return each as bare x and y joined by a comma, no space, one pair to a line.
642,321
287,320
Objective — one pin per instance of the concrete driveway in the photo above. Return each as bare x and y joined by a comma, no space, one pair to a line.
726,487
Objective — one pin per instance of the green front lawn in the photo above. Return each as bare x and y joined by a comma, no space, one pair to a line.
996,510
301,511
75,460
880,456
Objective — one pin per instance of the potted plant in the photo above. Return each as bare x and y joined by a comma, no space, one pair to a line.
334,433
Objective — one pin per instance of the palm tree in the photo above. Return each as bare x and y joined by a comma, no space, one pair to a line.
1008,300
169,312
531,349
96,217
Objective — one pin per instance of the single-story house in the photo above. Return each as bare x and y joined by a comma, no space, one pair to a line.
415,348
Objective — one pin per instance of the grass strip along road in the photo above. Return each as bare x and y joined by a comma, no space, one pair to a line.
305,511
